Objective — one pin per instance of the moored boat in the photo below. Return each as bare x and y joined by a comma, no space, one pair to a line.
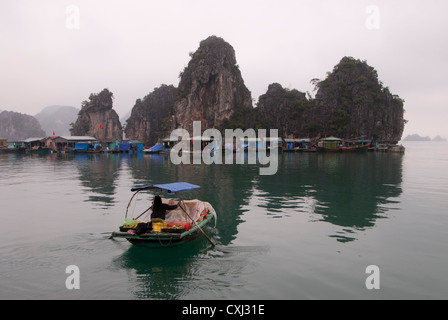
333,144
156,149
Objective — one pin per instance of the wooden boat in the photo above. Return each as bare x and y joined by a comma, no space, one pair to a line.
168,237
333,144
172,233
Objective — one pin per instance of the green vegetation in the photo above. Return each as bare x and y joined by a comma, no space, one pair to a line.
339,121
357,103
242,118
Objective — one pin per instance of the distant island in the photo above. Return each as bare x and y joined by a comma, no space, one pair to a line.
416,137
439,138
15,126
55,120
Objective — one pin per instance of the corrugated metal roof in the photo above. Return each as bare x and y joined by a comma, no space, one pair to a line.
78,138
32,140
331,139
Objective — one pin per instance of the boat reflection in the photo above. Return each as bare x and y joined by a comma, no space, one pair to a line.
98,174
162,273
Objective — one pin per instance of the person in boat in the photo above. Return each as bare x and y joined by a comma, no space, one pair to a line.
159,209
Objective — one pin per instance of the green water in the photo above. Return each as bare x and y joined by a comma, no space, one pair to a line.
308,232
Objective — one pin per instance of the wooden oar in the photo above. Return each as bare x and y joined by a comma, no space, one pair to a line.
209,240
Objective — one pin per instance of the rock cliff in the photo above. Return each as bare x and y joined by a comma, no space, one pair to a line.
210,89
285,110
97,118
148,115
16,126
352,102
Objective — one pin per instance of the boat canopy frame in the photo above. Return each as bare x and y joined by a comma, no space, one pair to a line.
174,187
171,188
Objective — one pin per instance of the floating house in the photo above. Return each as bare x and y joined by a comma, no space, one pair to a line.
67,143
260,143
124,147
333,144
114,145
293,145
136,145
81,147
16,145
168,143
201,141
36,145
11,146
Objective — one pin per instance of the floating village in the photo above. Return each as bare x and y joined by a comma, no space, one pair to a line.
87,144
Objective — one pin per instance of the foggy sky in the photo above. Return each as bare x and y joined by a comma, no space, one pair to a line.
132,47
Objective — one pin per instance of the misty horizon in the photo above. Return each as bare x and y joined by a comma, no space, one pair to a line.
55,55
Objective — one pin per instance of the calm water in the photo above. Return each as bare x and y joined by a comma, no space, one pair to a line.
309,232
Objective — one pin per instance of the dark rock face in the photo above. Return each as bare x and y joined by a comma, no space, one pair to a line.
16,126
97,118
210,89
150,114
352,102
283,109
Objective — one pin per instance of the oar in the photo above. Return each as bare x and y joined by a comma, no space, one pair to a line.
209,240
143,213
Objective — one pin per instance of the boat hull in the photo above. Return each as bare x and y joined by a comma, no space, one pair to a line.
363,148
163,239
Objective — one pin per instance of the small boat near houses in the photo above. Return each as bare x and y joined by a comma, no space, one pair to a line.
333,144
298,145
183,224
156,149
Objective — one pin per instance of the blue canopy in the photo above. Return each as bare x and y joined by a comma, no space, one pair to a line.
157,147
170,187
125,147
82,146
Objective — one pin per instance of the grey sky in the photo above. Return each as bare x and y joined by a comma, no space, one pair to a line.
131,47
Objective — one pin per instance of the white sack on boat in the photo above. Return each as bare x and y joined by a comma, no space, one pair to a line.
194,208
